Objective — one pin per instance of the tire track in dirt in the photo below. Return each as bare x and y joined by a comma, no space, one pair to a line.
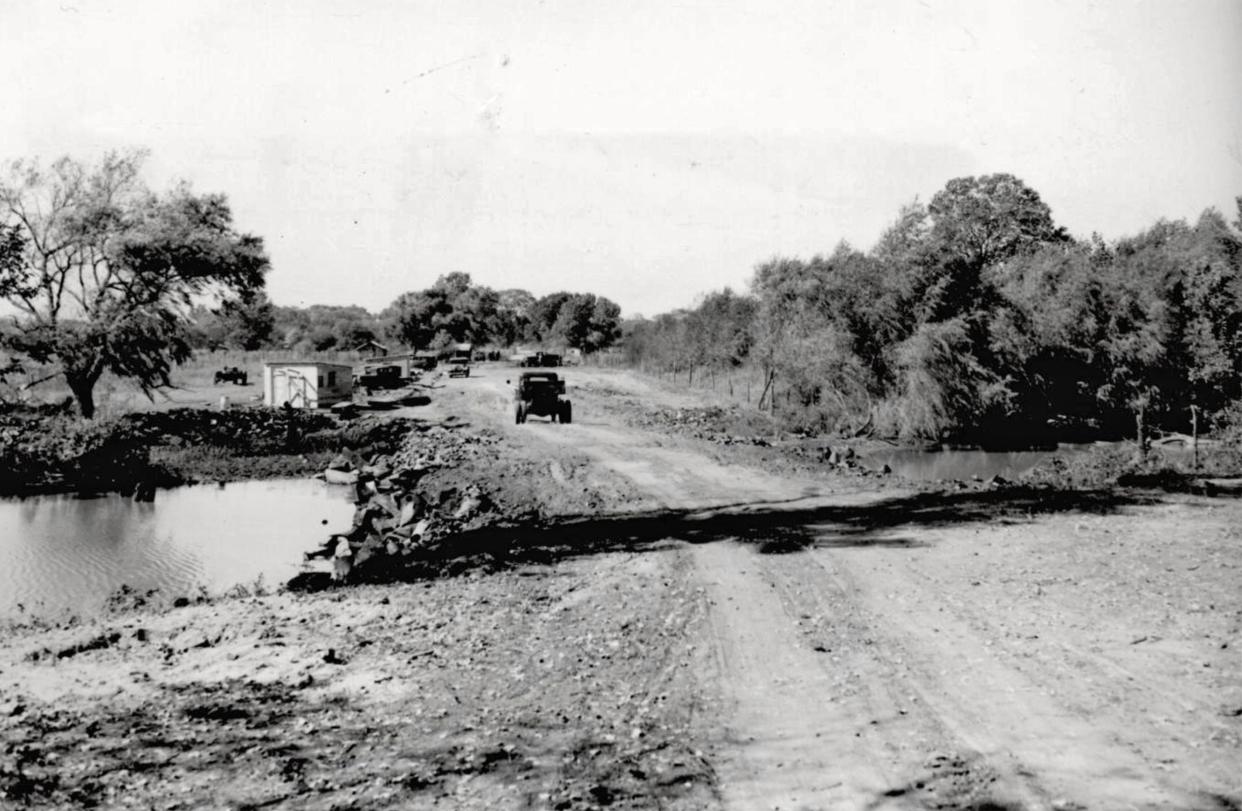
831,695
778,702
775,746
1069,722
1043,754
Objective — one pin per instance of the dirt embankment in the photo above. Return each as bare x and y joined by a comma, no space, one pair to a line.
678,626
451,499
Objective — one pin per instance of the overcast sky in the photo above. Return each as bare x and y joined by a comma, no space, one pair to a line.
646,151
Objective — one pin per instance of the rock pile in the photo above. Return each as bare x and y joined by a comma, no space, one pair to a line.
842,458
408,504
710,423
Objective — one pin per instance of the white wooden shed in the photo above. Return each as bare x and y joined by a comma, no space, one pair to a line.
306,384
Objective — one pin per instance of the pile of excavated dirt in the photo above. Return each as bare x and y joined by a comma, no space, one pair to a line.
723,425
1170,469
450,499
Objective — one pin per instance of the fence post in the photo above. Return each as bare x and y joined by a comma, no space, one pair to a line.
1194,436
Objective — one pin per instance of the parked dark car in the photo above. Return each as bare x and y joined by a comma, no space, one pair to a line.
230,374
541,359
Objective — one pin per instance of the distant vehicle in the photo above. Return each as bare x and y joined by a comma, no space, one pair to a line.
230,374
459,367
542,394
376,376
538,359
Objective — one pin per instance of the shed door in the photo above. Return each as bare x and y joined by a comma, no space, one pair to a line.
280,386
289,386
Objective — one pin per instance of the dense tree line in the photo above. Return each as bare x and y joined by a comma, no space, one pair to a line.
976,318
453,310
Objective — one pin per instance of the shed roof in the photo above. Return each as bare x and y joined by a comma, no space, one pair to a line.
307,363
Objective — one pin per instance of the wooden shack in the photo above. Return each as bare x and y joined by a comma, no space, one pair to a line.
371,349
306,384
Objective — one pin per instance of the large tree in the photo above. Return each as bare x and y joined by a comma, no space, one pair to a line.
587,322
975,223
543,313
512,316
452,309
12,245
722,327
983,220
109,271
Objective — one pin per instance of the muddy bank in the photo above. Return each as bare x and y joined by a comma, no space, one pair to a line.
526,689
452,499
1170,468
727,431
46,452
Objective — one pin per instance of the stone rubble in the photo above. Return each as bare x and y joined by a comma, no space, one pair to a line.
403,510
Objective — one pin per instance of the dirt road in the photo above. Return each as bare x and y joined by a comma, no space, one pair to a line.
952,662
711,634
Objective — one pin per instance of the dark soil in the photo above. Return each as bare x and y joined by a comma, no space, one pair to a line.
46,452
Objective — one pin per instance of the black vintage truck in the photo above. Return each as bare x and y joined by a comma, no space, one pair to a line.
380,376
541,394
230,374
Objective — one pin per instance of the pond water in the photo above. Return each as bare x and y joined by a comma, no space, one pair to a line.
962,465
921,465
65,553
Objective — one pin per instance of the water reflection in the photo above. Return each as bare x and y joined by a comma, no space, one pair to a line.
61,553
958,464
